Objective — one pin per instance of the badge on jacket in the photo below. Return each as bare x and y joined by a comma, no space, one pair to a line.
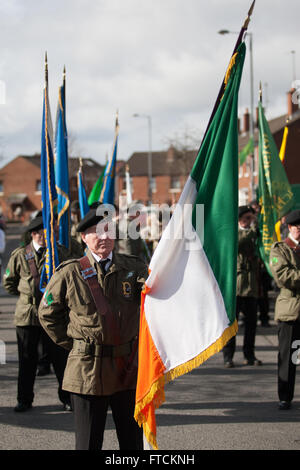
47,298
126,287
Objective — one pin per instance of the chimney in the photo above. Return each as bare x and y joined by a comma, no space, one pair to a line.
246,121
292,102
170,154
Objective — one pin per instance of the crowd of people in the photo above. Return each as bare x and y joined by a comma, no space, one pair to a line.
85,325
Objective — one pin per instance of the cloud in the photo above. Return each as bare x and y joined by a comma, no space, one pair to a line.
163,58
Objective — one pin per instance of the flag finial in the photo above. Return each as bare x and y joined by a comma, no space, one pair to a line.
260,92
46,69
247,20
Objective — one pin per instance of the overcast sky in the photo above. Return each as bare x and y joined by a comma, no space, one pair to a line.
162,58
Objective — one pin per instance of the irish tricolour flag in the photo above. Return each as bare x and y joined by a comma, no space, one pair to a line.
188,304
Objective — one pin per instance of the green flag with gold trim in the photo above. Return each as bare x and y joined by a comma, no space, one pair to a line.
275,194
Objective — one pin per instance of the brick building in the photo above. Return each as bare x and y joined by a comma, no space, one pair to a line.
20,184
292,155
169,172
171,168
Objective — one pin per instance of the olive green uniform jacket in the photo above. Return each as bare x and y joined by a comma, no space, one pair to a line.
18,280
285,267
247,263
69,315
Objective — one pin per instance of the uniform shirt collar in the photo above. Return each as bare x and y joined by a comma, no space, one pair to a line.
293,239
97,258
36,246
244,228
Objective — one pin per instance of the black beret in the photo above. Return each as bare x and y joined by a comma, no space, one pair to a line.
35,224
293,217
92,218
244,209
75,206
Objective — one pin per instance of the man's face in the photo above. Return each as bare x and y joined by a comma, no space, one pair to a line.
295,231
245,220
99,243
38,237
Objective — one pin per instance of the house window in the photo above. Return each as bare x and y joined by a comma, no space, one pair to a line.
1,187
38,186
175,183
153,184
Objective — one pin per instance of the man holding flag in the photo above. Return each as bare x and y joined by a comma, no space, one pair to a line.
94,313
29,270
22,278
285,267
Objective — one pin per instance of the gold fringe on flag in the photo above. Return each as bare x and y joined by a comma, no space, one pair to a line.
156,395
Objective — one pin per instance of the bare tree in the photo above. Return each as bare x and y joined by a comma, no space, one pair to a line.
186,143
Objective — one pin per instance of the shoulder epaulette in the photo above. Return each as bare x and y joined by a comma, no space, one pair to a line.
66,263
17,250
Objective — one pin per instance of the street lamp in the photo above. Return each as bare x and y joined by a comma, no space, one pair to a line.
251,130
149,153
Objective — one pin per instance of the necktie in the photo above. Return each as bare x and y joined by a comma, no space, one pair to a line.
103,263
40,252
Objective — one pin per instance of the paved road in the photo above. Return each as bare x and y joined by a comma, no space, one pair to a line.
211,408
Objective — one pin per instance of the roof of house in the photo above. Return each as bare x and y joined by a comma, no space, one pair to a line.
89,166
173,162
170,162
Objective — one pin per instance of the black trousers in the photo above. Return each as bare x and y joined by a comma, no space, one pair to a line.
247,305
44,356
90,413
28,339
288,332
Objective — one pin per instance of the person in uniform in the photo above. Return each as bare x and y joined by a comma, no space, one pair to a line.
91,308
45,346
22,278
247,289
285,267
125,243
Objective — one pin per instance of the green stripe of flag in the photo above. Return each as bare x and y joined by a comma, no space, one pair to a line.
247,150
216,175
96,190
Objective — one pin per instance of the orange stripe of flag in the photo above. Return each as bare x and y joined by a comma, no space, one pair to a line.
149,391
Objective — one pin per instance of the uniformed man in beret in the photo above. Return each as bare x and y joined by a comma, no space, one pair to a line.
247,288
126,244
285,267
22,278
91,308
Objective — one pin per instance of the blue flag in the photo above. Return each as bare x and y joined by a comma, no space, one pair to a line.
49,195
62,170
82,197
108,189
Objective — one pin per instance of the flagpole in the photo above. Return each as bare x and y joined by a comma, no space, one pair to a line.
239,40
260,93
64,86
252,156
46,70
